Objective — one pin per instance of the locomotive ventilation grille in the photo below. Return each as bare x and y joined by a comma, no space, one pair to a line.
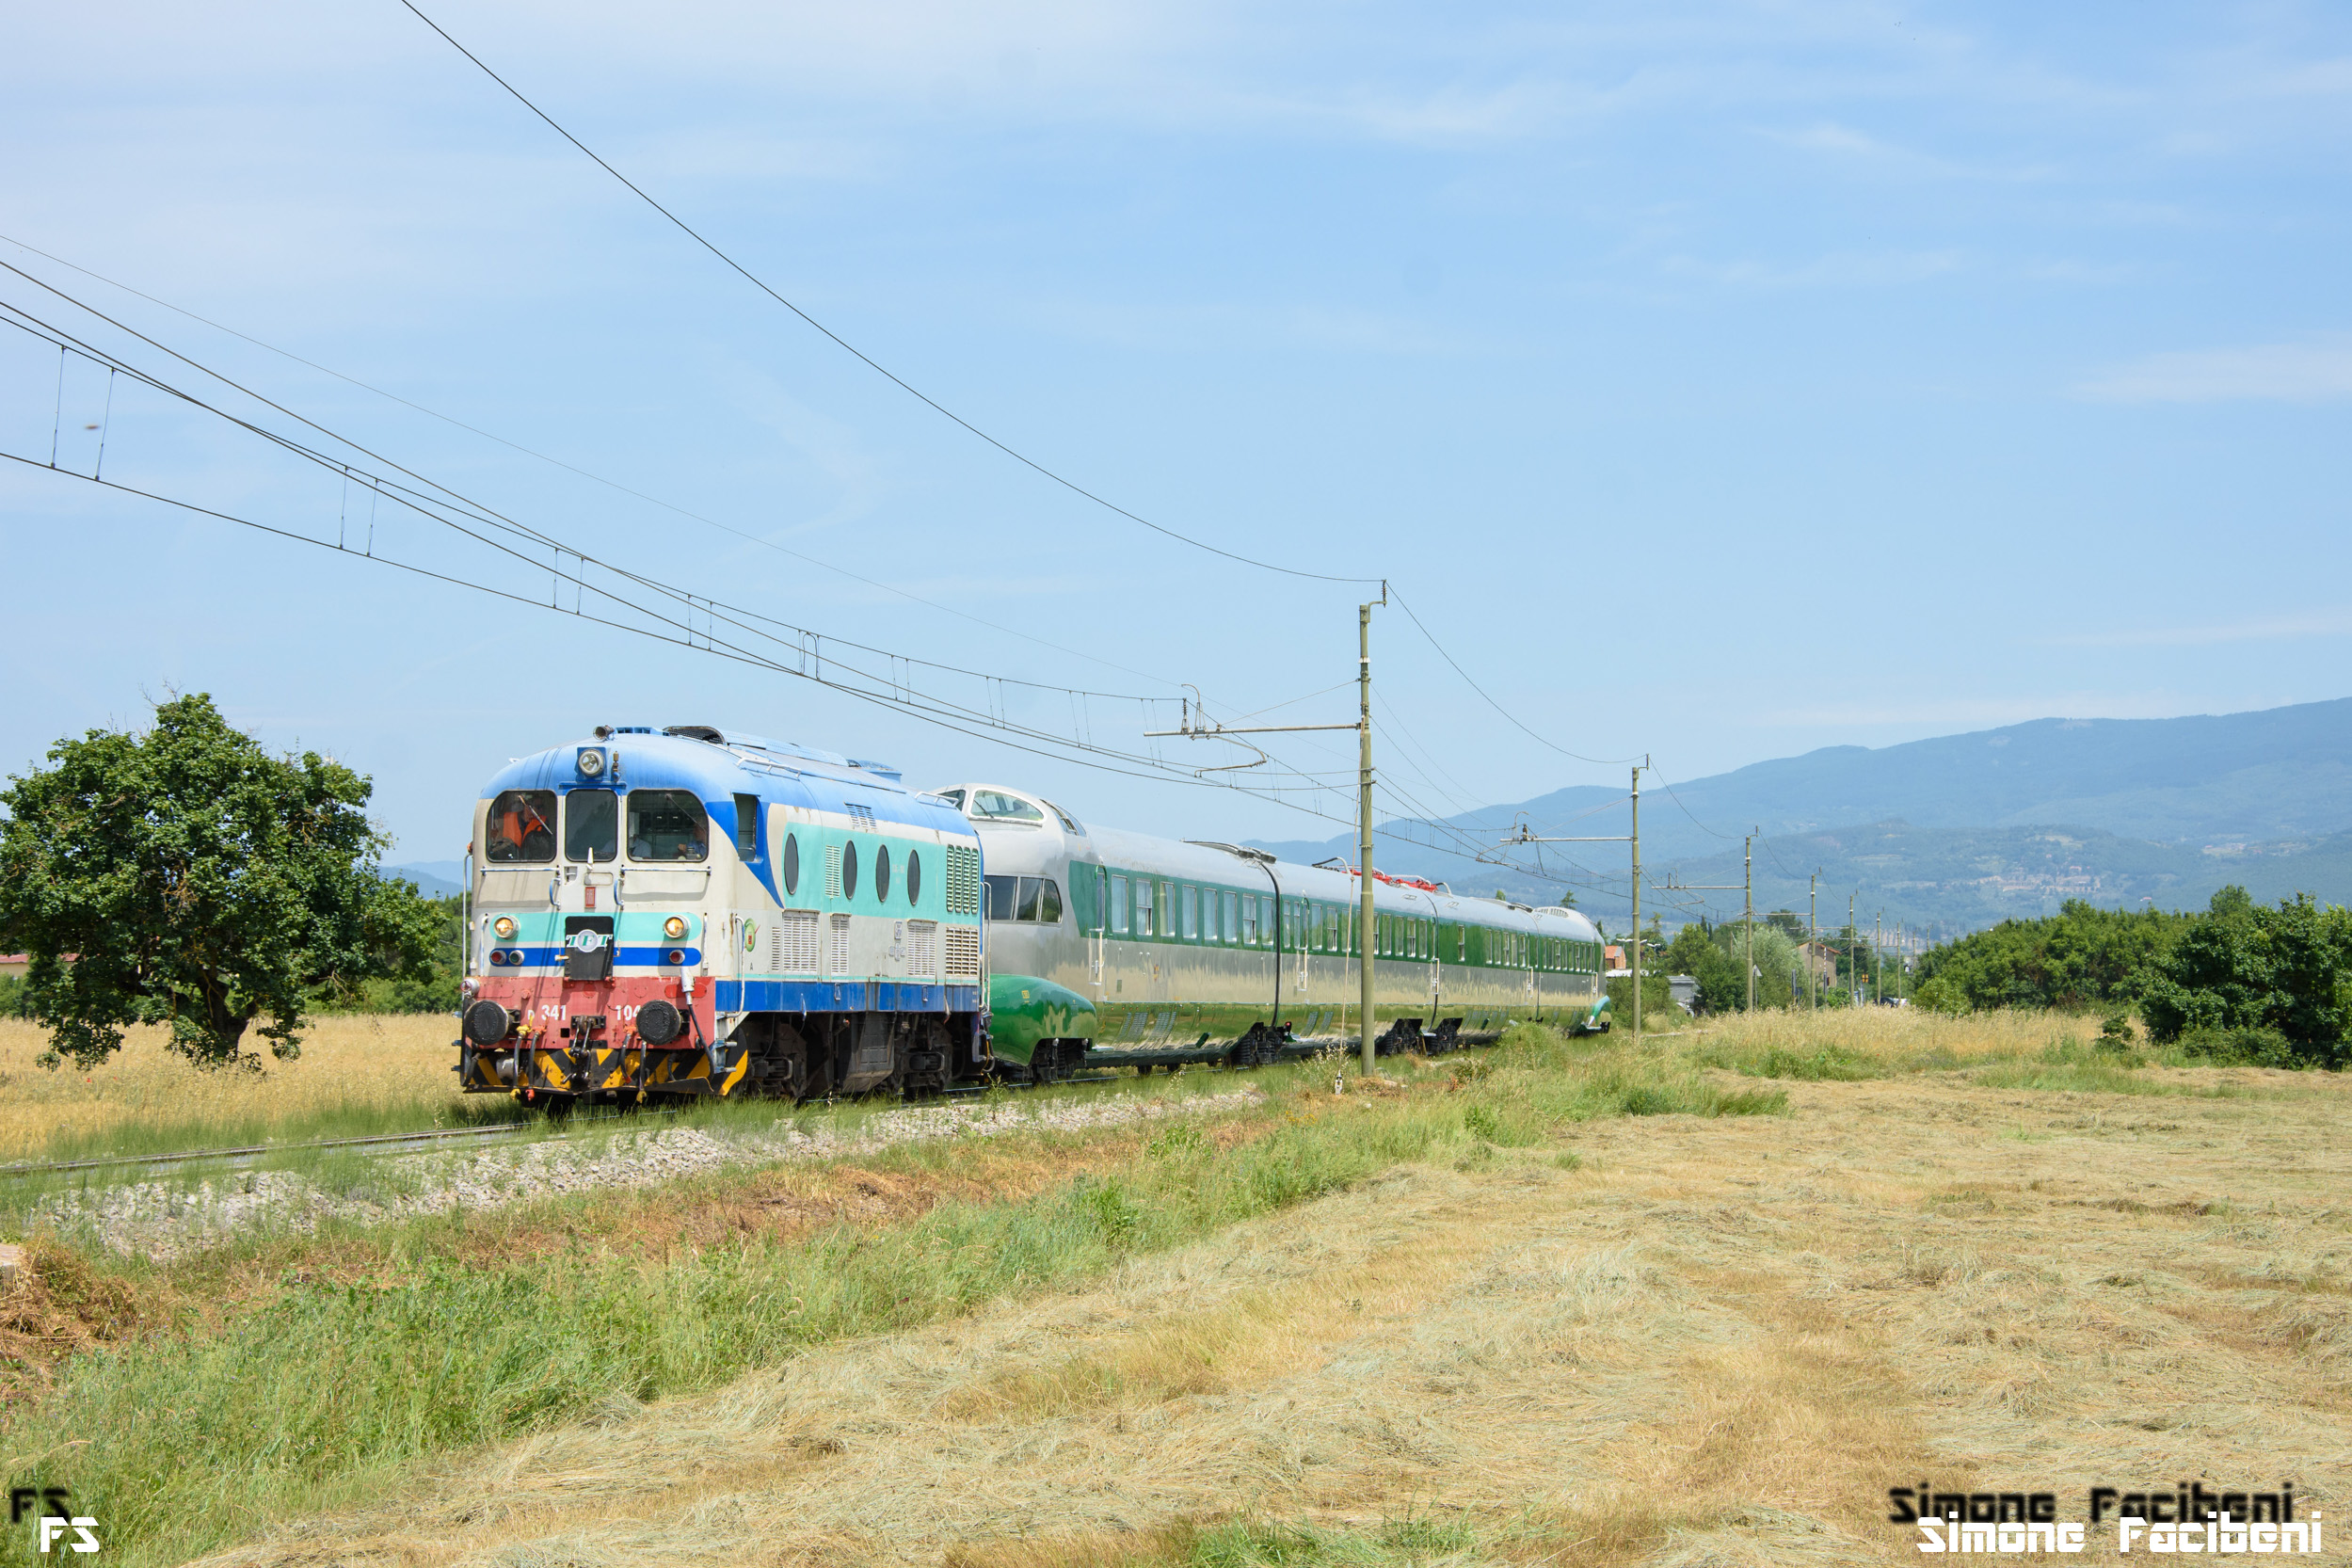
795,945
963,943
963,883
840,955
833,870
861,817
923,950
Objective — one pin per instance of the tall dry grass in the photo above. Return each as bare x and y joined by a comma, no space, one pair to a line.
356,1074
1882,1041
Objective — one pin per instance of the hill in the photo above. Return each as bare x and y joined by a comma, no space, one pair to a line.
1961,829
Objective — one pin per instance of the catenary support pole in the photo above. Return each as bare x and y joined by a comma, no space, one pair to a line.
1748,911
1364,822
1812,945
1633,946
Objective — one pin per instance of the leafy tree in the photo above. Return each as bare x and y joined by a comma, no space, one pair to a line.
2083,957
2245,971
187,878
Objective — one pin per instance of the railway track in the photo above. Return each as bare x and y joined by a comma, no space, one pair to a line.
394,1143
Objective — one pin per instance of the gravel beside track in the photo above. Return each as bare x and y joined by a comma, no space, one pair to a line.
162,1220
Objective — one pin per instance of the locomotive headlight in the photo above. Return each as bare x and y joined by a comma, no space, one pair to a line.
673,928
591,761
504,927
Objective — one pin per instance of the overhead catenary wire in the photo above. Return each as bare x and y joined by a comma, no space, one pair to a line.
590,475
921,397
694,626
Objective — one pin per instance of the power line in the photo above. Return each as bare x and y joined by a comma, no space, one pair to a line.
861,355
1480,690
902,696
572,468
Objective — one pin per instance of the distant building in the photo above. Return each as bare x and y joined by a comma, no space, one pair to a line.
1684,989
14,965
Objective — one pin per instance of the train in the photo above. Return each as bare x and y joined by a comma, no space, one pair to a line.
687,911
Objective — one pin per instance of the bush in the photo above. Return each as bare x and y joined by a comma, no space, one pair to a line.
2241,1047
2247,971
1939,996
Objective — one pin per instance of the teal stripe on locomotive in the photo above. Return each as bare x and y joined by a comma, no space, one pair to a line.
1183,944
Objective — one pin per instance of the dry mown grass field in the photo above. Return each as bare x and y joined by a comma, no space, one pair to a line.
1663,1341
354,1071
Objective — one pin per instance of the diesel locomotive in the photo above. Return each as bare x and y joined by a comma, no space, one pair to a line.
691,912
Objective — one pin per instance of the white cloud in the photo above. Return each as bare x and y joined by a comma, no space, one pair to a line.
2312,370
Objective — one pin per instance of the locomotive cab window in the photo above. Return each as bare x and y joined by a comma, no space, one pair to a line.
995,806
1049,903
747,827
592,825
1000,893
667,824
522,827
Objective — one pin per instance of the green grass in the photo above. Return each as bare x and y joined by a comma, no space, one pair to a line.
2069,1065
1400,1543
183,1442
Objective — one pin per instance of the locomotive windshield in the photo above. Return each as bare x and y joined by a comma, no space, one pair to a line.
522,827
997,807
667,824
591,826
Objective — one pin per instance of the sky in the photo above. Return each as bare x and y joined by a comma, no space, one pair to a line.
1710,382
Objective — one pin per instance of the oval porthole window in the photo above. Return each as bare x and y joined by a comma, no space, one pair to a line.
914,876
791,864
882,875
849,869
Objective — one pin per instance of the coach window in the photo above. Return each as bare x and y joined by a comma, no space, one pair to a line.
592,825
1000,892
1049,901
1192,913
1142,906
522,827
1118,905
1230,922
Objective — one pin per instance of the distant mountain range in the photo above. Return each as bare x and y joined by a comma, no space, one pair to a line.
433,878
1963,830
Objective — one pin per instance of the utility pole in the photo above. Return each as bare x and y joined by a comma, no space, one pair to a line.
1853,952
1748,911
1364,816
1208,729
1521,835
1813,976
1877,958
1636,949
